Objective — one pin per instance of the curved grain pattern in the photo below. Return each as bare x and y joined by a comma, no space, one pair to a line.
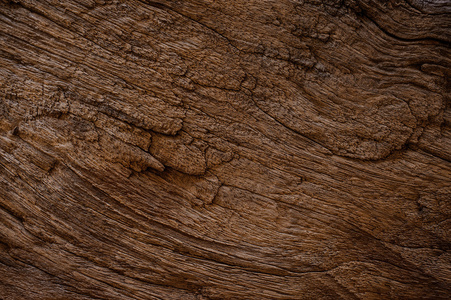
225,149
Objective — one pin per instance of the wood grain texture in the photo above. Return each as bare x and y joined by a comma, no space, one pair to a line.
236,149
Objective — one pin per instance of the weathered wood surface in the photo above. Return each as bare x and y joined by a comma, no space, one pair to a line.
235,149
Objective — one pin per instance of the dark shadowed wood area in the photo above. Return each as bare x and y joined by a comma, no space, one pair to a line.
225,149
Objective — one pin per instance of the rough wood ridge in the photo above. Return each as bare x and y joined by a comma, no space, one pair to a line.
228,149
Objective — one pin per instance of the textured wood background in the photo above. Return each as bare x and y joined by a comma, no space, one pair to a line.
228,149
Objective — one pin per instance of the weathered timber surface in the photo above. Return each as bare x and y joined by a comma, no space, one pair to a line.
228,149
